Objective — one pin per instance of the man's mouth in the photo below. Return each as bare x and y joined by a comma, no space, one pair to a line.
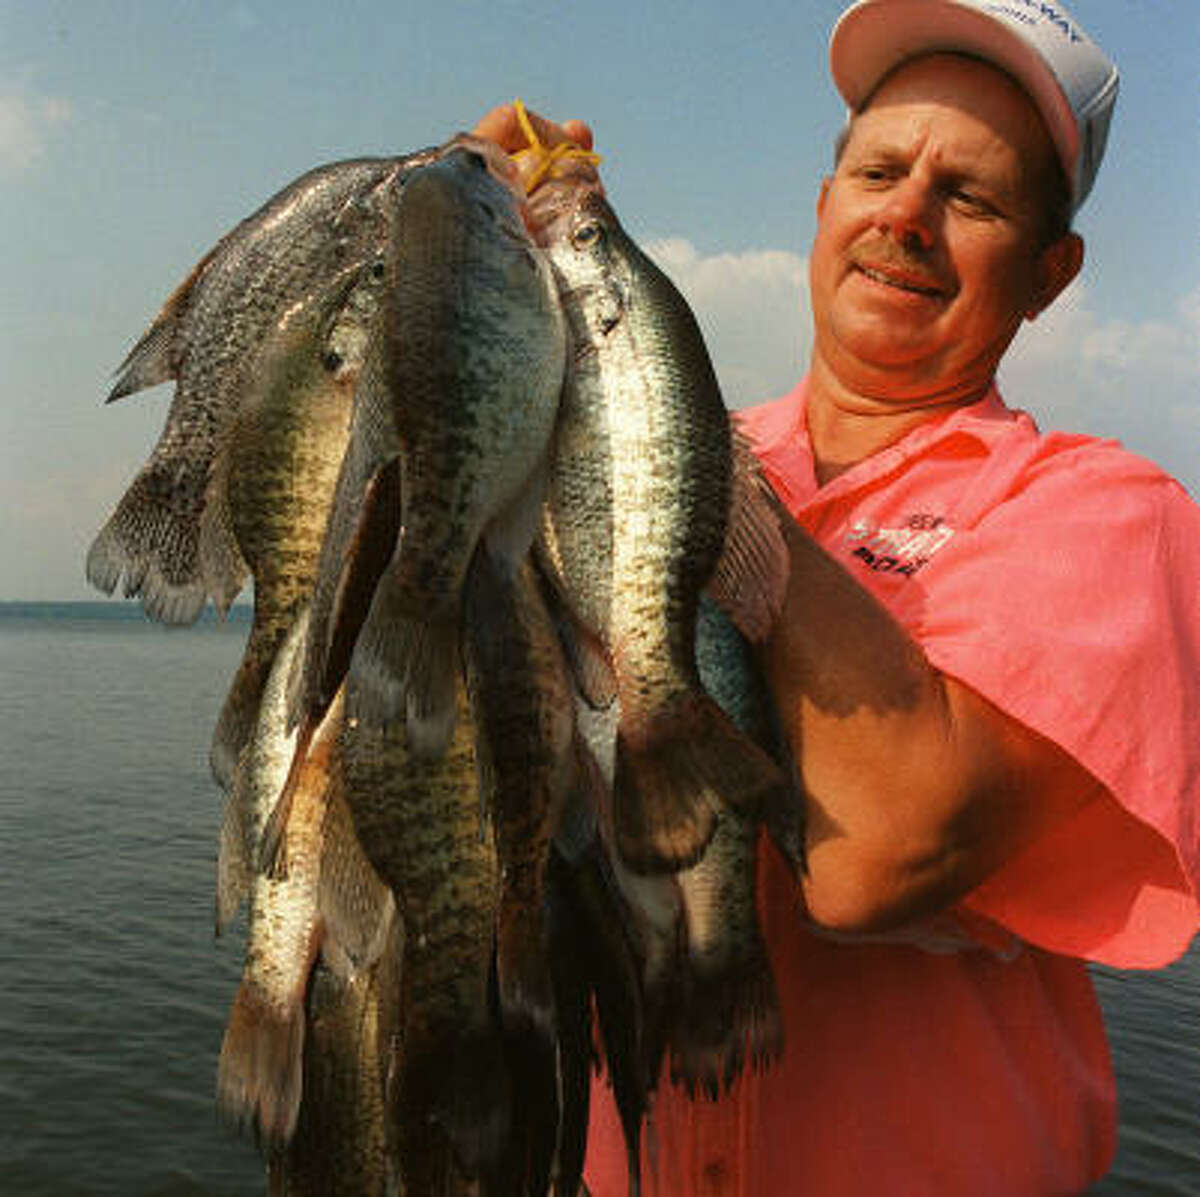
901,281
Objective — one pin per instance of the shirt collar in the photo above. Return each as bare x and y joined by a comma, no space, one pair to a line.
779,432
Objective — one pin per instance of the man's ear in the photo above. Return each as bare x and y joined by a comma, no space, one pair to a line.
1058,264
826,182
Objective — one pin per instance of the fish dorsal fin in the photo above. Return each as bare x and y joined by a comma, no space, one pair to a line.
154,358
751,575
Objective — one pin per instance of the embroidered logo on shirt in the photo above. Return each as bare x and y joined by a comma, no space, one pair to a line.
901,550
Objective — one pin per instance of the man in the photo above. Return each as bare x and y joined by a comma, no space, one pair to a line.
987,661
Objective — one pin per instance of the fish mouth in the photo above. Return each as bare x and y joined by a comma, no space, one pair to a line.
902,280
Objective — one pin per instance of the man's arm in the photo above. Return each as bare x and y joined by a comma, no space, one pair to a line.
917,787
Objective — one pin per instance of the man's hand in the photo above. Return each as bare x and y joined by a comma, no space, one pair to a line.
539,148
503,126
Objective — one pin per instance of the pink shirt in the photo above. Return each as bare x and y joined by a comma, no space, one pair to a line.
1059,576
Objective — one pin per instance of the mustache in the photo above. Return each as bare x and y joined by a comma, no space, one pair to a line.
913,267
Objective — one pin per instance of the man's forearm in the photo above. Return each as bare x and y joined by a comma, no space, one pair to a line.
916,787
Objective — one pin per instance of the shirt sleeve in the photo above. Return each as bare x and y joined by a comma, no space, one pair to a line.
1072,602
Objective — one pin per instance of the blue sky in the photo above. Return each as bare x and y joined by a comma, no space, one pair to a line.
133,135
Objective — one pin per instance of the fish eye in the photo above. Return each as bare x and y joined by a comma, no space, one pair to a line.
332,361
587,235
378,270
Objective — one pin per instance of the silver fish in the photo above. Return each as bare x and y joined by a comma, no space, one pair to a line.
170,536
449,1098
284,450
728,1011
636,522
330,904
521,707
341,1143
468,366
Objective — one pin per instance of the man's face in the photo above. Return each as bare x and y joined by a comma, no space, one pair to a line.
926,257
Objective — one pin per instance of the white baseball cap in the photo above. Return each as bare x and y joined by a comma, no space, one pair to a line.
1038,42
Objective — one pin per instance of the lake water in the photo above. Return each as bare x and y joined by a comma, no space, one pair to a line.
113,991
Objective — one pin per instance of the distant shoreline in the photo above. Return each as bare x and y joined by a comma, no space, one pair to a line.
122,609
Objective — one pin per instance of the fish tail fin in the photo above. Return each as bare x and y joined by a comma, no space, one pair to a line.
261,1067
410,666
533,1139
153,549
673,774
522,968
460,1088
728,1019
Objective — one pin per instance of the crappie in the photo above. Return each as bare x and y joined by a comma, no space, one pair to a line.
449,1098
170,535
468,364
284,450
330,903
341,1142
521,707
636,521
728,1011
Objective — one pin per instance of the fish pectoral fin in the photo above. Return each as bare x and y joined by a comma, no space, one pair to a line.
272,847
751,575
362,564
511,530
673,774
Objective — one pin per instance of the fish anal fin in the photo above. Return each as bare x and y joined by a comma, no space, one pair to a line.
358,910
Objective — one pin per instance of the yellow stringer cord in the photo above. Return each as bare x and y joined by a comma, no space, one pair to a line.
547,162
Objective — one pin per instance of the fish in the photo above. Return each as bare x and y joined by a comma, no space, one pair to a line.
635,525
604,958
465,375
170,538
283,455
521,707
341,1143
331,906
727,1013
701,1006
449,1097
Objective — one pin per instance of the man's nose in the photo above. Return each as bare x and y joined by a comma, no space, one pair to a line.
908,213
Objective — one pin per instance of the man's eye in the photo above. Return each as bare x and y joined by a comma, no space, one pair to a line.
970,202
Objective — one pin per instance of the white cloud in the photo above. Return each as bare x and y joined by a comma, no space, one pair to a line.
1076,369
26,123
752,308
